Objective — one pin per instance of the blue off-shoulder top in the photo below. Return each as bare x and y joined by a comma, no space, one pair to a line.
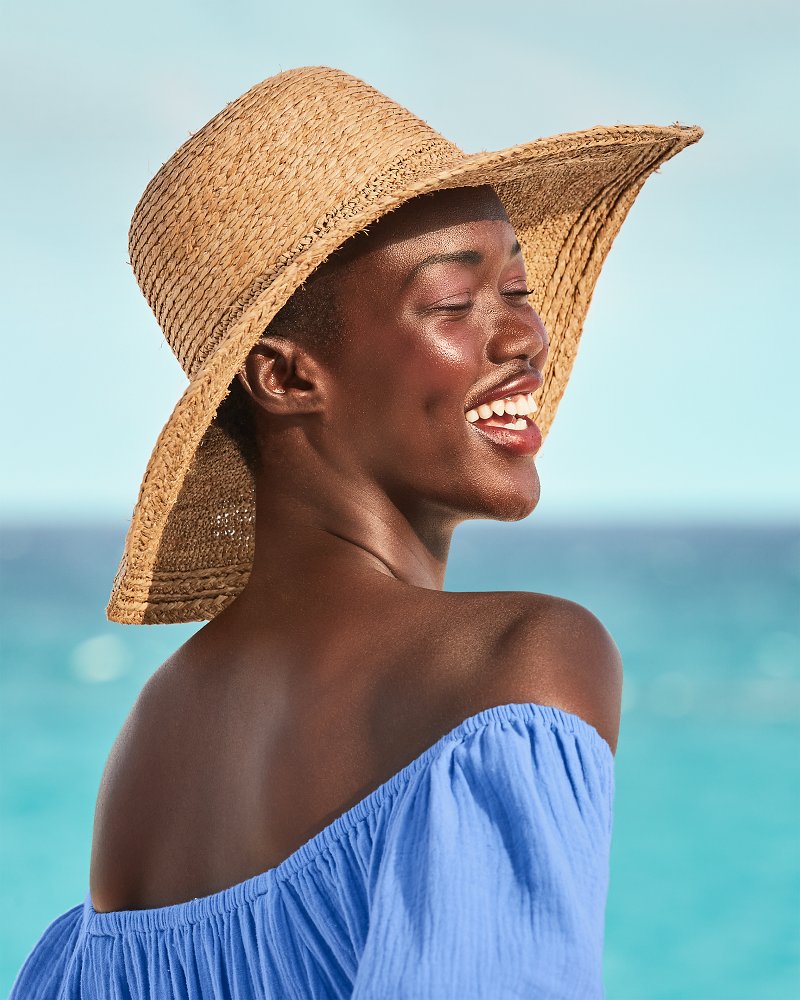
479,871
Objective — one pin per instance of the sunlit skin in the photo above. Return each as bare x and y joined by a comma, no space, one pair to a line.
344,657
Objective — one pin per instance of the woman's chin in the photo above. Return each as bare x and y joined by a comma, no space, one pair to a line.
521,510
510,501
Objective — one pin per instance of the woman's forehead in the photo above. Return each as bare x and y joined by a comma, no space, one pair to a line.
439,210
443,209
421,218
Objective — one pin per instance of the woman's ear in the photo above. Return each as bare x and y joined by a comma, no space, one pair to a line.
282,377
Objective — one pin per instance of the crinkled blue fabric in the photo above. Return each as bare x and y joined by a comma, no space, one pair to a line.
478,872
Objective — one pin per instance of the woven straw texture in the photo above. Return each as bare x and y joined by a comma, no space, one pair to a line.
248,207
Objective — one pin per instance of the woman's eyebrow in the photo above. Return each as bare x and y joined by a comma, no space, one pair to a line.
471,257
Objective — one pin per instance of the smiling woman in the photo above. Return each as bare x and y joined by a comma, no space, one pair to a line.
350,782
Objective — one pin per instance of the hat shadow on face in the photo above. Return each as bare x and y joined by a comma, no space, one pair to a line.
312,318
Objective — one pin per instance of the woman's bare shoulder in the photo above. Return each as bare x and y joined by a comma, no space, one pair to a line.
549,650
560,650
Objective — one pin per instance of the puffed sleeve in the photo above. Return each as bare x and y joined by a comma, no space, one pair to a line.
45,970
493,877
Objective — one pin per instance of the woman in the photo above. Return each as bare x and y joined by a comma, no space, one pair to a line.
351,782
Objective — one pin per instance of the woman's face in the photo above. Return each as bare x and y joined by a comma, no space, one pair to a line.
427,339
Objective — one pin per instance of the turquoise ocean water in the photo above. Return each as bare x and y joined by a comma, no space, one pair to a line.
704,900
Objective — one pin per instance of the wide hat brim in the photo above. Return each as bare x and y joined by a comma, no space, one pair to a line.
189,547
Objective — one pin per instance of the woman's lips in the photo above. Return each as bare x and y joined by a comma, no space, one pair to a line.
521,442
508,422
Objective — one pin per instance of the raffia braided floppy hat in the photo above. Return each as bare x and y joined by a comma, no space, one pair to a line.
242,214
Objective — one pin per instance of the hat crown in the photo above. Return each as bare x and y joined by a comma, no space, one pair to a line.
293,157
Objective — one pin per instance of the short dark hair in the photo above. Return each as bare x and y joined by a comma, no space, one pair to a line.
310,317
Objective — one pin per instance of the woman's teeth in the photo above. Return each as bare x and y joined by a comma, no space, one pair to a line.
519,405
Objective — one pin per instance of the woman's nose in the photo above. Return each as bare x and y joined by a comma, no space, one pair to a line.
520,333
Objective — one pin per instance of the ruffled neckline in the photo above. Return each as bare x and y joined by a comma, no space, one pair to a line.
194,910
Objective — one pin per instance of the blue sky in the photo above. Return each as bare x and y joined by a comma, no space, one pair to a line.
682,403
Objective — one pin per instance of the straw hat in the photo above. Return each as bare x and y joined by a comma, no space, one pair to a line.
245,210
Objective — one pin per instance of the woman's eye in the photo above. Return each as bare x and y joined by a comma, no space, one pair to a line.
460,306
457,307
443,305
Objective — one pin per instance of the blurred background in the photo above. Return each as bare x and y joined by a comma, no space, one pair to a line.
670,501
